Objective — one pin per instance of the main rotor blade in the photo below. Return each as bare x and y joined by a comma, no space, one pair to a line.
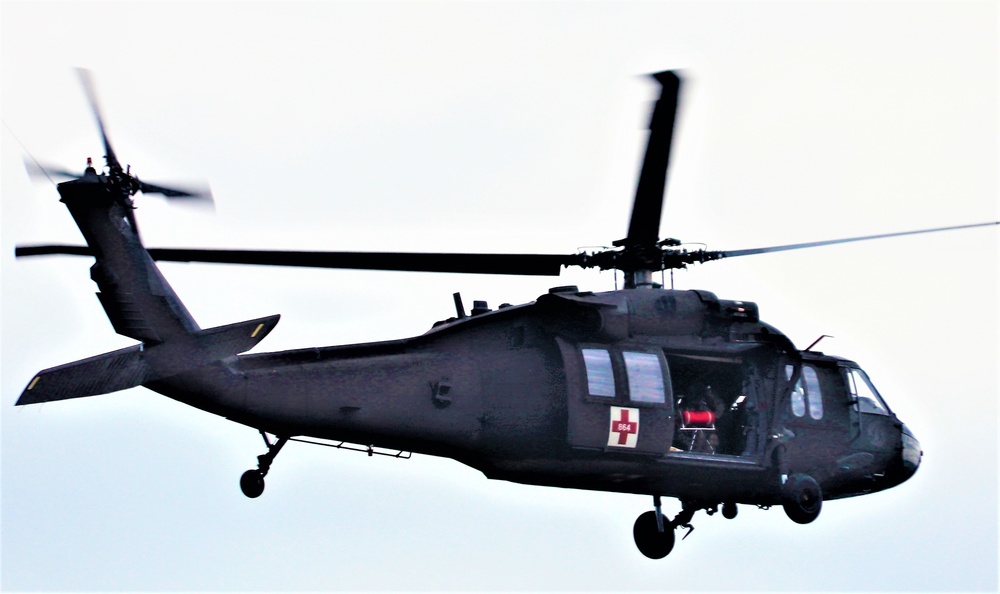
514,264
644,227
88,88
22,251
811,244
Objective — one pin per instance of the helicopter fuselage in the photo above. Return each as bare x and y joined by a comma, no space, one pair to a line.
580,390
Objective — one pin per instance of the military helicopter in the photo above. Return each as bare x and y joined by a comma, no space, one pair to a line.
641,390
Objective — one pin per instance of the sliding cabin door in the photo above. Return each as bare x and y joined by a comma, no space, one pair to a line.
619,398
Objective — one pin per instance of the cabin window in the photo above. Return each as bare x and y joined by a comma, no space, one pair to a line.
814,397
645,377
600,375
798,394
868,398
806,393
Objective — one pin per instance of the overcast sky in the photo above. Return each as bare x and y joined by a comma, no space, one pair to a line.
497,127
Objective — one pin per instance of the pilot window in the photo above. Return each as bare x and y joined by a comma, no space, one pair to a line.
868,398
600,375
806,393
645,377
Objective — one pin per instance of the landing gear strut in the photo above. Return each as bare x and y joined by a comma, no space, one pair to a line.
652,533
252,481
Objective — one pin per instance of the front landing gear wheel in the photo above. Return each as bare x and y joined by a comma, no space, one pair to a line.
802,498
252,483
648,538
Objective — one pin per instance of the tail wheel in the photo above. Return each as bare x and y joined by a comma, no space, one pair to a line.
648,538
802,498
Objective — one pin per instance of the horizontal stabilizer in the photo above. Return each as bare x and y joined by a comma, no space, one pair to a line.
110,372
137,365
206,346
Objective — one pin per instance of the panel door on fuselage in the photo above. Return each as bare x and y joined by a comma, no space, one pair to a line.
816,418
618,398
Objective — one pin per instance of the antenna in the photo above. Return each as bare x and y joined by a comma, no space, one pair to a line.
815,342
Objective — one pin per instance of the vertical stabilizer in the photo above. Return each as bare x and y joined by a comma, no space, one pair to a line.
138,300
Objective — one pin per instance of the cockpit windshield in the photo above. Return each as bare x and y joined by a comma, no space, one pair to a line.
867,396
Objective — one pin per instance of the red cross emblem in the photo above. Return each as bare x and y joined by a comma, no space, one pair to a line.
624,427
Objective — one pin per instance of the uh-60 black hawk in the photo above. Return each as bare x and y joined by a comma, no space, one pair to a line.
641,390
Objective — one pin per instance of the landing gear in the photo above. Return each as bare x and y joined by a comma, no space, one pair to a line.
252,481
729,510
654,535
802,498
652,541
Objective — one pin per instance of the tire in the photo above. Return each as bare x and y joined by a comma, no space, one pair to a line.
252,483
729,510
802,498
649,540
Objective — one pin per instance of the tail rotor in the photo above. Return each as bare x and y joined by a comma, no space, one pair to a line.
119,180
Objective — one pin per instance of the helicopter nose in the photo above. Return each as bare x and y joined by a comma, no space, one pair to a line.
910,455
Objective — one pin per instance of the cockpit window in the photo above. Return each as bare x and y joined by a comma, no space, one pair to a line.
806,393
600,375
645,377
868,399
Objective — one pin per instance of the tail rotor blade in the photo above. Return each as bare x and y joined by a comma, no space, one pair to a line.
174,193
88,87
37,170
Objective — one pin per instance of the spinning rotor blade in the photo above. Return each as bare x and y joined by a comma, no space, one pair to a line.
514,264
88,88
811,244
526,264
116,175
644,226
200,194
36,171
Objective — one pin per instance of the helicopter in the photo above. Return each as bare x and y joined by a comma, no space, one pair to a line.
641,390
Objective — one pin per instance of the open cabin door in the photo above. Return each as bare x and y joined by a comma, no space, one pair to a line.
619,398
723,396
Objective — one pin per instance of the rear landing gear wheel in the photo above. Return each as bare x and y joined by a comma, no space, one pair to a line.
802,498
648,538
252,483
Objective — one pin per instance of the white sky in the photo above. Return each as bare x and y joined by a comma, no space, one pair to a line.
498,127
